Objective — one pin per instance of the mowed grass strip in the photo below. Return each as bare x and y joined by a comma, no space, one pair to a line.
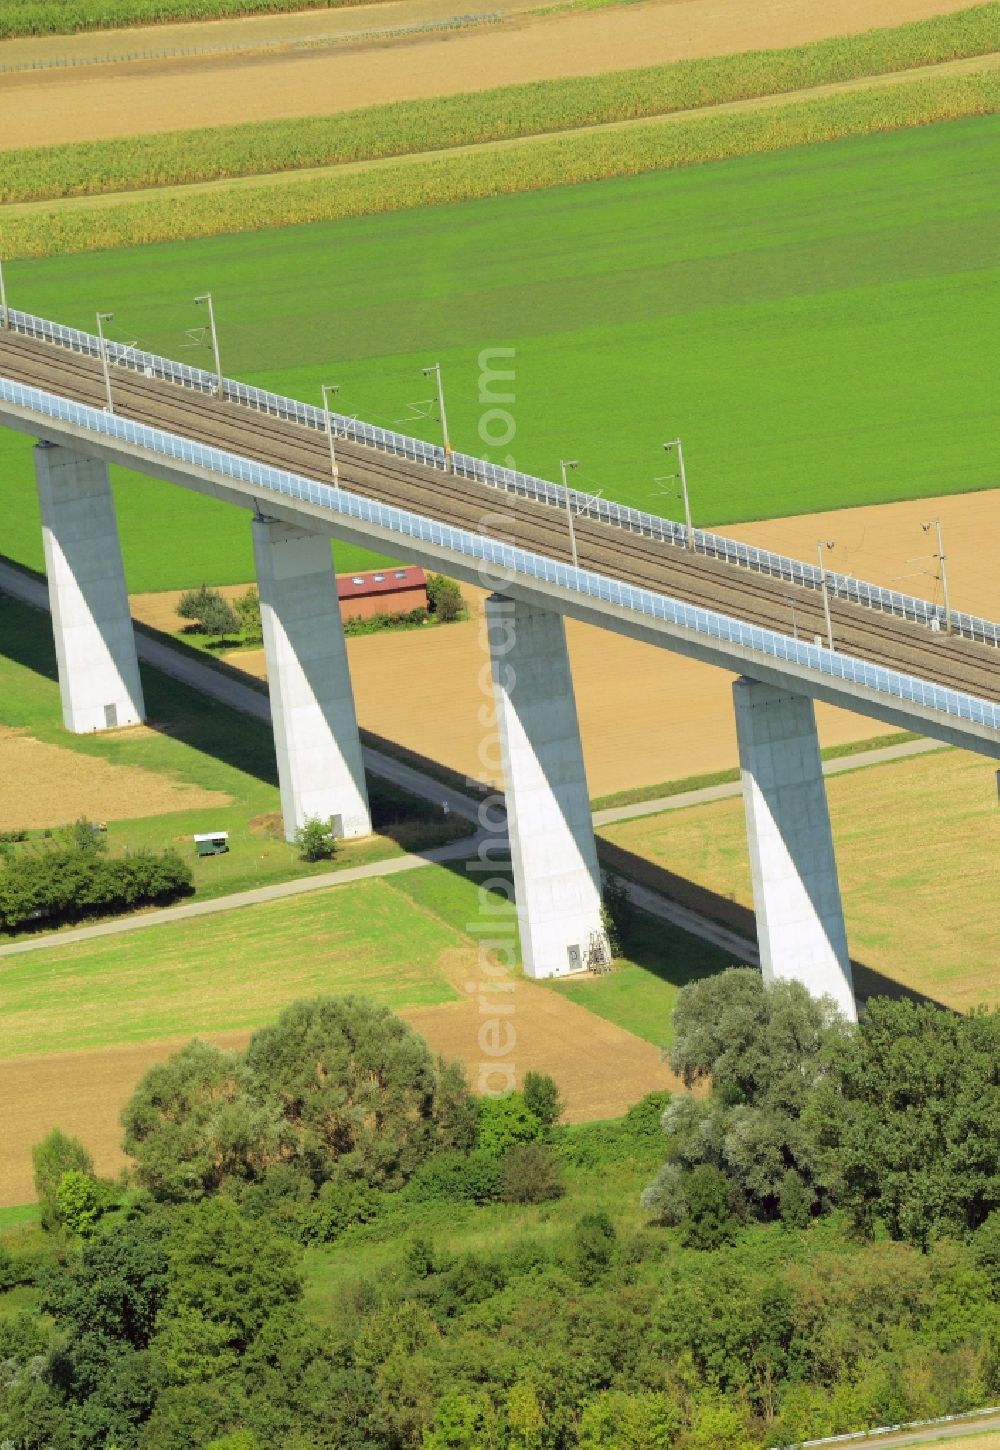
496,169
917,846
405,127
236,970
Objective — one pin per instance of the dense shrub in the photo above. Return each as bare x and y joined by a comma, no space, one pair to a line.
593,1247
531,1174
60,882
445,598
56,1155
339,1205
457,1178
376,623
209,611
505,1120
316,840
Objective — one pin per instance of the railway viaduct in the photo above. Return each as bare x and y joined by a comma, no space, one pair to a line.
896,659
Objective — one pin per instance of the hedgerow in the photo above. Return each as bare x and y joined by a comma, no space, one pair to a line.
408,127
63,882
497,171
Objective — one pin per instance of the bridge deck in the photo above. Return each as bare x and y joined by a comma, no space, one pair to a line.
757,599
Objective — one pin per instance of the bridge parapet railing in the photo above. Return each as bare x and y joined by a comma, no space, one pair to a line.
402,522
402,445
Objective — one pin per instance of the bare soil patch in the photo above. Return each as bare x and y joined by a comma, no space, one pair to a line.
84,1092
46,785
647,715
56,106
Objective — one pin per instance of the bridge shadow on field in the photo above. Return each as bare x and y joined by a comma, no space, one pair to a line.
177,710
206,725
868,982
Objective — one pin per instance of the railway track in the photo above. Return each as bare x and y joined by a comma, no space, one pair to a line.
466,503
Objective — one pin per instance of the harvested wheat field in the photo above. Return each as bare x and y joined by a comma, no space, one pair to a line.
647,715
52,107
917,845
45,785
84,1092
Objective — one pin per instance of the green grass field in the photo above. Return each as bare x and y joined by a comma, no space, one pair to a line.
817,324
197,742
235,970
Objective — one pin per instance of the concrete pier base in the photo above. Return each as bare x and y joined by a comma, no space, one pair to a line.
800,919
95,642
320,769
557,881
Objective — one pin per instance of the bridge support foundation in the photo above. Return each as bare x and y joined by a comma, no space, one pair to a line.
95,641
800,919
557,881
320,770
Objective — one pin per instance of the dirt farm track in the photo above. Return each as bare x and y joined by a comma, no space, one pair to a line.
90,102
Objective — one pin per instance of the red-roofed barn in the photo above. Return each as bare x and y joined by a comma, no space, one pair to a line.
382,591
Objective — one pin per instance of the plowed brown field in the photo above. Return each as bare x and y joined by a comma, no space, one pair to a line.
51,107
46,785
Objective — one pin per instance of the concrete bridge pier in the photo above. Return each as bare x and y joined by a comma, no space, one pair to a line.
320,769
800,919
95,641
557,881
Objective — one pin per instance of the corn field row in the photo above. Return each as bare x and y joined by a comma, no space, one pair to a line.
497,171
512,111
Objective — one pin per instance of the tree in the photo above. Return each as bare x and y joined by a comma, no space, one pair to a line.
248,612
106,1307
767,1050
198,1120
616,1420
445,598
54,1156
316,840
78,1202
541,1097
710,1220
226,1275
359,1091
211,613
915,1121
